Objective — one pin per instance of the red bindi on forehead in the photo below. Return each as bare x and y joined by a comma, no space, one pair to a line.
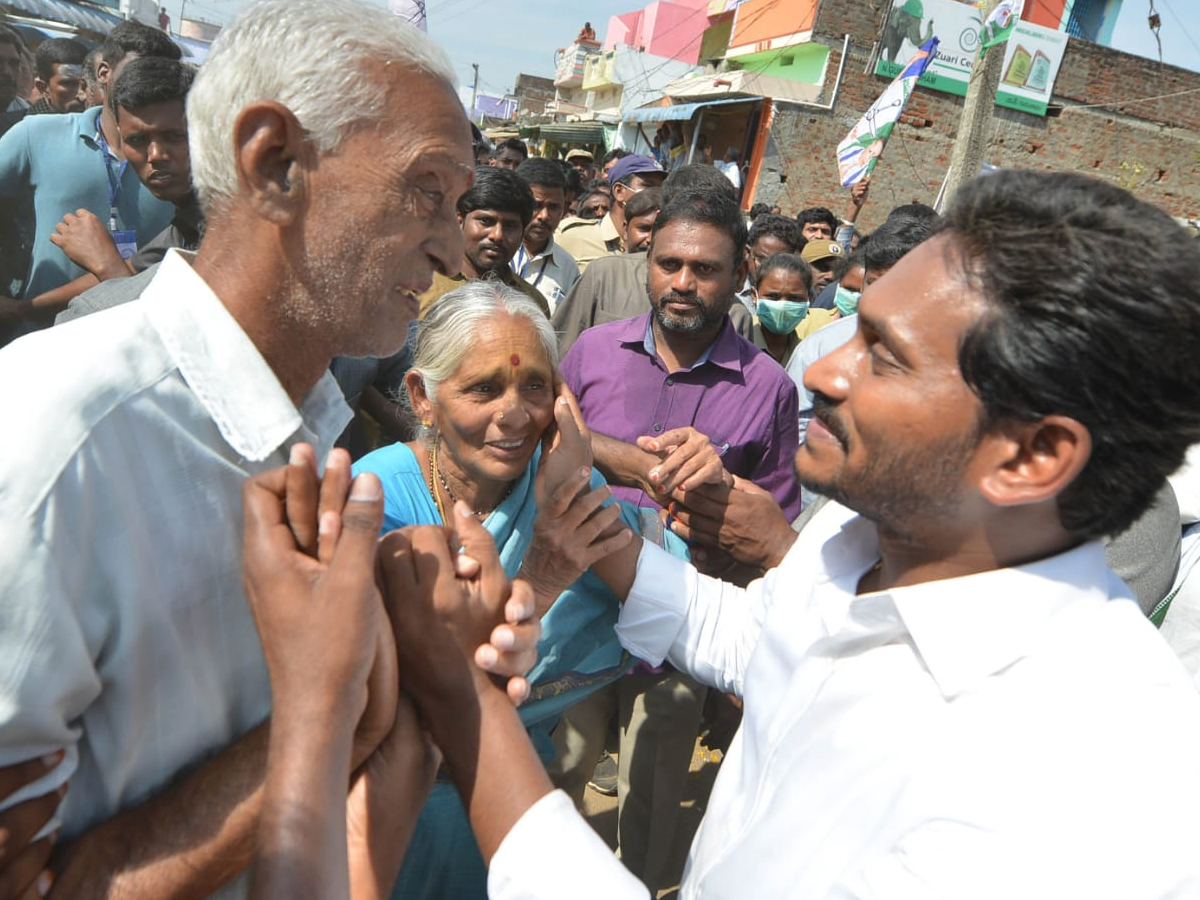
515,359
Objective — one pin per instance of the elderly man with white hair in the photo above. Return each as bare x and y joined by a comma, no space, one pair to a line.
329,175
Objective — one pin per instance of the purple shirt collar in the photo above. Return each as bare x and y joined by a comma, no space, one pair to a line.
724,351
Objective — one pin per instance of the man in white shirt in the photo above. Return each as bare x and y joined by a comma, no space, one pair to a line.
124,633
539,260
947,692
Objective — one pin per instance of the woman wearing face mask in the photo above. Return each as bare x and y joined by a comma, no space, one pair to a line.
781,293
849,285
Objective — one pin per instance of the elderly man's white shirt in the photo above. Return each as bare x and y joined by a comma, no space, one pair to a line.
1018,733
124,632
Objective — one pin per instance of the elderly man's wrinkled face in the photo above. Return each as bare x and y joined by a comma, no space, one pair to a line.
380,217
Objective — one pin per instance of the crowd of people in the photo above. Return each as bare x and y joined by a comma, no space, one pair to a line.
371,486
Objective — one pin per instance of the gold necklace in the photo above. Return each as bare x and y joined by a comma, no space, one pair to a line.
435,472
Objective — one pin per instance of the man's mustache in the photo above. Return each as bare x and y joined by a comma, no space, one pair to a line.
823,411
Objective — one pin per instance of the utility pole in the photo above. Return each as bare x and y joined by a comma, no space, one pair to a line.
971,142
474,89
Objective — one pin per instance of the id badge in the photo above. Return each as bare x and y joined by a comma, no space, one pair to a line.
126,242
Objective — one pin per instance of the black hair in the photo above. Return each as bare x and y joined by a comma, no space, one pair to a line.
914,212
788,262
1079,326
498,189
776,226
817,214
707,208
510,144
855,259
133,37
574,180
894,238
592,192
147,80
759,209
57,51
600,185
611,155
697,177
8,36
542,172
643,203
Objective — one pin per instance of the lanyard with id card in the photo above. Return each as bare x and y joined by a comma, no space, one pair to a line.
125,239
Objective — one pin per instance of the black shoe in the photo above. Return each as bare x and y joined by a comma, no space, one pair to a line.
604,778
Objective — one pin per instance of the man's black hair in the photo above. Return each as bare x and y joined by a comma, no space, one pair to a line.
914,211
8,36
894,238
697,177
706,208
592,192
611,155
147,80
134,37
542,172
759,209
573,179
510,144
57,51
776,226
643,203
1077,325
817,214
786,262
498,189
855,259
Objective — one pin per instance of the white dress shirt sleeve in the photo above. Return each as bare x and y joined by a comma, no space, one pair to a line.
703,626
552,852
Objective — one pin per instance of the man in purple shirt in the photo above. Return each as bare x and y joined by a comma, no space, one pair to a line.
674,398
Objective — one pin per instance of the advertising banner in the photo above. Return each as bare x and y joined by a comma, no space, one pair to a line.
1033,54
1032,58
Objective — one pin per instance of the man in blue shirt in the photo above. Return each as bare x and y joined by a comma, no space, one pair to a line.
63,163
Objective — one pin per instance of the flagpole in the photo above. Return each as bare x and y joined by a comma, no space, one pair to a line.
970,145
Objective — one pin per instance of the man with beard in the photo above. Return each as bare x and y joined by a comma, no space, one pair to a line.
493,215
674,398
947,691
539,260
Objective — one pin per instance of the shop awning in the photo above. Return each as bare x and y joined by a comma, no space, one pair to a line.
567,132
680,112
89,18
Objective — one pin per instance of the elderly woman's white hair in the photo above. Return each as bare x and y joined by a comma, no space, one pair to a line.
451,328
316,57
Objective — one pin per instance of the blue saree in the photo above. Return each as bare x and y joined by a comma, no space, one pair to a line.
578,653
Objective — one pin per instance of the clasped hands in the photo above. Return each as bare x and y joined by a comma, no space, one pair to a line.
347,619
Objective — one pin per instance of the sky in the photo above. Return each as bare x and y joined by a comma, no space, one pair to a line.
508,37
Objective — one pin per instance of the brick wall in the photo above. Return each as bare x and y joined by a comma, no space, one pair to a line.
1151,148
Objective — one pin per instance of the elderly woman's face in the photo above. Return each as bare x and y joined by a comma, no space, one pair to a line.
492,412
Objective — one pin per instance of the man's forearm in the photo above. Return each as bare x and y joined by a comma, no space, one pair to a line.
55,301
302,835
621,463
186,842
495,768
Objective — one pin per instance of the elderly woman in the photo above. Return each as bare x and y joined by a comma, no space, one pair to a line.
483,387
